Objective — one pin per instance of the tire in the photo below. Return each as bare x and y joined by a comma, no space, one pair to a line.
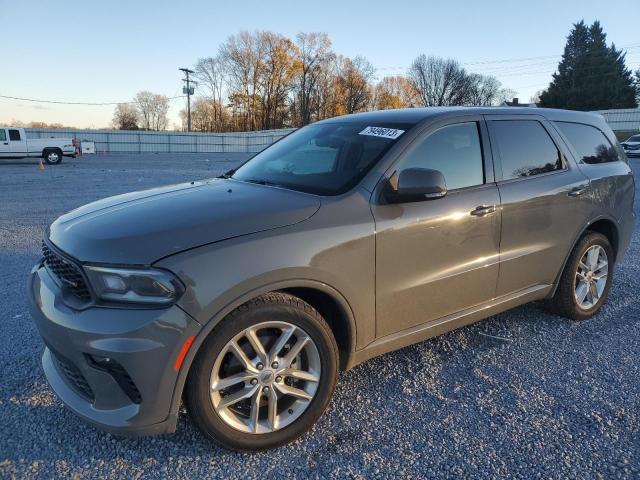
565,301
52,156
227,426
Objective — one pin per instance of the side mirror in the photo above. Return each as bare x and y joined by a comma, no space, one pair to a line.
417,184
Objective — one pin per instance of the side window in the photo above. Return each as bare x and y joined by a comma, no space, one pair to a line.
3,135
14,135
455,151
589,142
525,147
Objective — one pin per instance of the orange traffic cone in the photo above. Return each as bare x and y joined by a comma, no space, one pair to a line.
41,166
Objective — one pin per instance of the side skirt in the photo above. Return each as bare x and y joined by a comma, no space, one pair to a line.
445,324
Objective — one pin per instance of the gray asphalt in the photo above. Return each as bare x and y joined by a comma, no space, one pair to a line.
523,394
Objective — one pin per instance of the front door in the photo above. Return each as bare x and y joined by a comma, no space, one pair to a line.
438,257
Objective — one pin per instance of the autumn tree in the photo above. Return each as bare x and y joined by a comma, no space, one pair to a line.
353,83
394,92
125,117
152,110
277,73
207,115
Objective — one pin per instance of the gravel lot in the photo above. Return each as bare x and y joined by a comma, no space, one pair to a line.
522,394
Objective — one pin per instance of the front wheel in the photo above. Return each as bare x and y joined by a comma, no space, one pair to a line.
264,376
586,280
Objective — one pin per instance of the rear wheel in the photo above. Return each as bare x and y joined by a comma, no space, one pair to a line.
52,156
265,374
586,279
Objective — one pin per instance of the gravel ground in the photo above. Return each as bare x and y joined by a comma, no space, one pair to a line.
523,394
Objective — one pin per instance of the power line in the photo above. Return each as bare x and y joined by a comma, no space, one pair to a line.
76,103
550,59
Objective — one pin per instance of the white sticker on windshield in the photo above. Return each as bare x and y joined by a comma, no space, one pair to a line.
391,133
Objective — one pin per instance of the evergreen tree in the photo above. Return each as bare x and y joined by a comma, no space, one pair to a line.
591,75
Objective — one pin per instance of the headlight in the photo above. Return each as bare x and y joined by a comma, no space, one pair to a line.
147,286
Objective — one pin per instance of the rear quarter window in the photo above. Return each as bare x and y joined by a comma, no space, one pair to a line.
589,143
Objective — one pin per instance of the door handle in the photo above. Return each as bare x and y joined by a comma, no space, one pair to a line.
577,191
6,143
483,210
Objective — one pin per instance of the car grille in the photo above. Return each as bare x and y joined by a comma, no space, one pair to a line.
68,273
76,379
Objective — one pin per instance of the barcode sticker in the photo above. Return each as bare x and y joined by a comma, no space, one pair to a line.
383,132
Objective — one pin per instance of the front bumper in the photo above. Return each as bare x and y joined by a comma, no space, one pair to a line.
632,153
145,343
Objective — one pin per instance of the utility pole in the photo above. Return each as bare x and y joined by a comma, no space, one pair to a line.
189,90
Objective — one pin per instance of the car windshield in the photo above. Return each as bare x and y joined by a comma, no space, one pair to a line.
324,159
635,138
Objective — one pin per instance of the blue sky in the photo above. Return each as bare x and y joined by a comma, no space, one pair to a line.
107,51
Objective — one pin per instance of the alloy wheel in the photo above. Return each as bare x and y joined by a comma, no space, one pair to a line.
265,377
591,277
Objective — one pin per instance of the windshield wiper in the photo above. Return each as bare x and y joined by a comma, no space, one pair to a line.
228,174
258,181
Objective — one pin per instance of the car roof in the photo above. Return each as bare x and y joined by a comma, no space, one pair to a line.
417,115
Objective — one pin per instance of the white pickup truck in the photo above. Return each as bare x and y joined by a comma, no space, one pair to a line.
14,144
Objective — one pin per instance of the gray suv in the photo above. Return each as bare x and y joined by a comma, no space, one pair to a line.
244,295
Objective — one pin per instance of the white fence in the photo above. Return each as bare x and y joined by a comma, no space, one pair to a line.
127,141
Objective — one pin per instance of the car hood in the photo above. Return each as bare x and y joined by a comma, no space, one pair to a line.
635,144
141,227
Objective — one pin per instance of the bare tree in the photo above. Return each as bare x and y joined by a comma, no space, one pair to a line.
314,58
353,80
152,110
243,59
440,81
486,90
210,73
125,117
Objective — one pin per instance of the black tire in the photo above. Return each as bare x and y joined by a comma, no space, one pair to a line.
271,306
52,156
564,302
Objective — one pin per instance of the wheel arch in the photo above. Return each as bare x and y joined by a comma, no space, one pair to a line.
604,224
46,150
324,298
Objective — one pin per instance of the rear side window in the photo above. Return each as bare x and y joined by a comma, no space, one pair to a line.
589,142
14,135
455,151
3,135
525,147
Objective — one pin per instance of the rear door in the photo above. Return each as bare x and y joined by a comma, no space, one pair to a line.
438,257
5,148
545,201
